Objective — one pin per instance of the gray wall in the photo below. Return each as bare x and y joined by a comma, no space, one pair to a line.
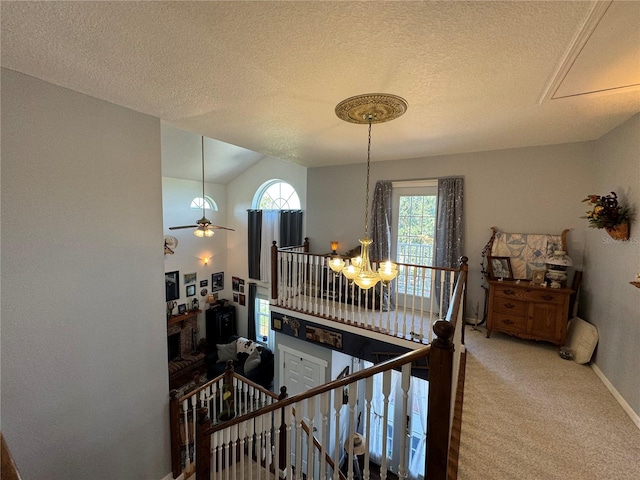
533,190
84,370
607,299
528,190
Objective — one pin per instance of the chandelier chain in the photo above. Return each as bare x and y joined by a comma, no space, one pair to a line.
366,203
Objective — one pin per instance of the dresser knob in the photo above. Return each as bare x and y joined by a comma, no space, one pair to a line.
507,322
509,305
509,292
547,297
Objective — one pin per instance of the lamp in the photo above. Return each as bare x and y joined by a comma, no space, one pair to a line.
211,299
369,108
558,264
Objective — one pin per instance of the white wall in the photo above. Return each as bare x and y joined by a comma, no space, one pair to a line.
529,190
607,298
189,256
84,372
240,194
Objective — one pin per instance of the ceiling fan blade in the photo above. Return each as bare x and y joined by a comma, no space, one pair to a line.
183,226
218,227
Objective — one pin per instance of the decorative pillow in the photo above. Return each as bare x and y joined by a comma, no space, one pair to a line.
582,338
227,352
252,361
244,345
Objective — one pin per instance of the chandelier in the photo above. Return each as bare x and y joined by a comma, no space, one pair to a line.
368,109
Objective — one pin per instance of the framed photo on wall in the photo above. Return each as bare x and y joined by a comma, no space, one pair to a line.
500,267
191,290
217,281
172,285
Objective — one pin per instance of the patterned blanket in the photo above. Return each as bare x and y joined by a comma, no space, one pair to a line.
527,251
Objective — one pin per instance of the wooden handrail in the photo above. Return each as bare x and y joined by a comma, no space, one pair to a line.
327,387
8,469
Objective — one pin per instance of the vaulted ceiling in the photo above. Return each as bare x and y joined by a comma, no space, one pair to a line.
265,77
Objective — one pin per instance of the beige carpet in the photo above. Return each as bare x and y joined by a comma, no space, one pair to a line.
528,414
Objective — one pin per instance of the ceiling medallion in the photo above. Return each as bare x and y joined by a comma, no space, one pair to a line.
371,108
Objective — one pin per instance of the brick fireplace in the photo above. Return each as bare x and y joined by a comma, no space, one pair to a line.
182,339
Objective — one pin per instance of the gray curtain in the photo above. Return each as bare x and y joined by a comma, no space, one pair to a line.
381,233
254,242
449,230
381,222
290,228
251,311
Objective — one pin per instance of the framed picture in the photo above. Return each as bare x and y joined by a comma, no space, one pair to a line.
189,278
235,284
217,281
242,300
537,276
500,267
182,308
326,337
235,297
204,283
191,290
277,324
172,285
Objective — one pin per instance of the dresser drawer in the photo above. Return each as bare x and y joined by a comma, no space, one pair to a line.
529,294
505,322
510,306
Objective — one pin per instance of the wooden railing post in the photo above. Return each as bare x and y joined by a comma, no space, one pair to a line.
438,421
203,445
464,267
274,270
174,429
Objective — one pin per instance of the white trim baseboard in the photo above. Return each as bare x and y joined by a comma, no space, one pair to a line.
635,418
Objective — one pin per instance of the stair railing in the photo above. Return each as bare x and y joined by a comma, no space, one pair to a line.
243,396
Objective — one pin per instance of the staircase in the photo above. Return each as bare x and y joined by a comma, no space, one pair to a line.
303,436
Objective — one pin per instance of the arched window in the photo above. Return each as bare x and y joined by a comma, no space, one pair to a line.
209,204
276,195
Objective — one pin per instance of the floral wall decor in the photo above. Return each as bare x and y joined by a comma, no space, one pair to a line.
606,212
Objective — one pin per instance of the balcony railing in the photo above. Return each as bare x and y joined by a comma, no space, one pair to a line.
407,307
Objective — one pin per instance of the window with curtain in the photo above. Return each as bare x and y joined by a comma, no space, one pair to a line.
276,216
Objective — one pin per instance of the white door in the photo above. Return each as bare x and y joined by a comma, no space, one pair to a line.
300,372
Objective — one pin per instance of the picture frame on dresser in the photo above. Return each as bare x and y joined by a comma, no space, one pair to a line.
537,276
500,267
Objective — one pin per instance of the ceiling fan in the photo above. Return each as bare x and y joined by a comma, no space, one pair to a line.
204,227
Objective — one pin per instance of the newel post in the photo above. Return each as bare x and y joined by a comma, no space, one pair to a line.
305,245
203,445
439,417
174,428
274,270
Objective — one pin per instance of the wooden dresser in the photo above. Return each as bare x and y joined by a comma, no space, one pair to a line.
528,311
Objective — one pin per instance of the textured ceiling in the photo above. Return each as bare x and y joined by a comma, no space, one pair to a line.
266,76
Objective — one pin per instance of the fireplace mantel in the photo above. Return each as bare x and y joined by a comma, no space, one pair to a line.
182,318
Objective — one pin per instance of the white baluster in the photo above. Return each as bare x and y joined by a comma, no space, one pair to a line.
386,389
242,433
251,431
337,406
299,416
368,395
234,445
311,413
259,443
289,419
324,412
352,392
405,384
